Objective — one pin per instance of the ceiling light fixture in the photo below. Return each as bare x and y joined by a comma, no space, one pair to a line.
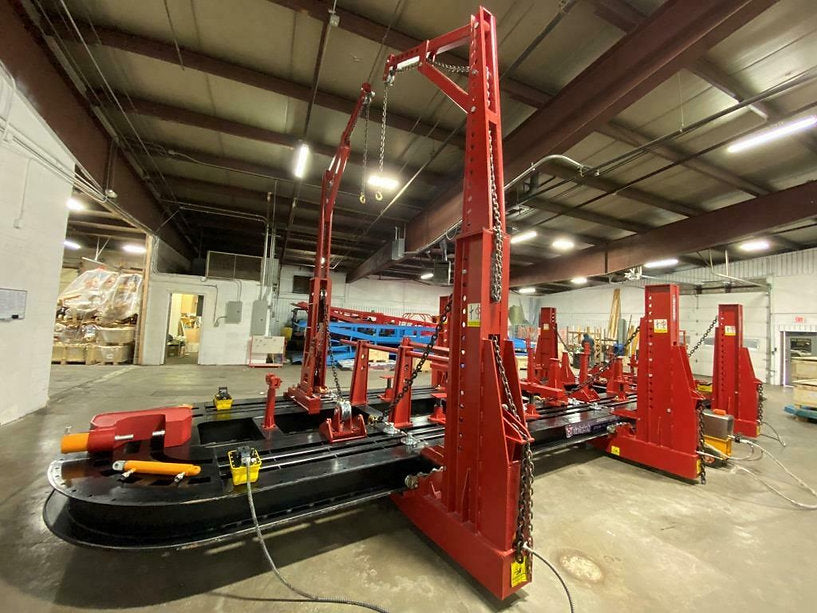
74,204
73,245
427,275
383,182
662,263
134,248
523,236
579,281
776,133
563,244
760,244
526,290
301,160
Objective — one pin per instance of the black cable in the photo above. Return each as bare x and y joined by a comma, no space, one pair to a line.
306,596
555,572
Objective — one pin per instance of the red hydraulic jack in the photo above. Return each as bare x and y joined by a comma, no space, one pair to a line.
312,386
475,507
735,389
665,428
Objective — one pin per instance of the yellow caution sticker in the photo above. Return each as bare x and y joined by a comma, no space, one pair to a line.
659,326
615,450
474,314
729,331
520,571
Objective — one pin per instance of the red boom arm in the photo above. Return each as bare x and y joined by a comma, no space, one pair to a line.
312,384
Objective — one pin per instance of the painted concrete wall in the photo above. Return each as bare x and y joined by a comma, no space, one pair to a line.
33,218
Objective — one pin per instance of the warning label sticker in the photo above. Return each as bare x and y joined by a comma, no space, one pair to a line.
474,314
659,326
729,331
520,572
546,327
615,450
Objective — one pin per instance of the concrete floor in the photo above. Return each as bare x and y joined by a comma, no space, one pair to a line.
625,538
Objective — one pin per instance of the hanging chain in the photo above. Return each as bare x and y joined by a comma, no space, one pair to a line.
496,214
703,338
338,389
760,400
378,195
524,514
701,443
365,153
432,341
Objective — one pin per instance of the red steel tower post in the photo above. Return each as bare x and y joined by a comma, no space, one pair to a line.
471,508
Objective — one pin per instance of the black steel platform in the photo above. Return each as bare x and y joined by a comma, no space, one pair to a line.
302,476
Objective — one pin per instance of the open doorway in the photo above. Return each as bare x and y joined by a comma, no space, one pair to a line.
184,329
796,345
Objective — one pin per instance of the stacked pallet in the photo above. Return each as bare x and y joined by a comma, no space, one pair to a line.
804,374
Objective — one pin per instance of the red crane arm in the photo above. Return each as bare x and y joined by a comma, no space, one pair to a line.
312,384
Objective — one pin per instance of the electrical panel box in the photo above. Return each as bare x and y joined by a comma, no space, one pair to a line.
258,318
232,312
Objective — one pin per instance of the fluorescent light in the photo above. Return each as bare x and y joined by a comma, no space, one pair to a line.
75,204
527,290
662,263
773,134
301,158
73,245
427,275
383,182
760,244
563,244
133,248
523,236
579,281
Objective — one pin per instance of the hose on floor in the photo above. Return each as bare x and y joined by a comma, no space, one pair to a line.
305,596
555,572
776,436
772,488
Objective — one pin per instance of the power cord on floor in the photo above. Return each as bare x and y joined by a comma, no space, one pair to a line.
305,596
776,436
769,486
555,572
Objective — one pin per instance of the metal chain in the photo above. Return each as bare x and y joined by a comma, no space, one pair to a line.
463,69
363,177
701,442
524,514
760,400
496,214
378,195
432,341
338,389
703,338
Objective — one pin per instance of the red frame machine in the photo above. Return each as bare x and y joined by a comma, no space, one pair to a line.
735,388
665,430
312,386
471,507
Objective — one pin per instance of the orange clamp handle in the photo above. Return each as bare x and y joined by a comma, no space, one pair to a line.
72,443
162,468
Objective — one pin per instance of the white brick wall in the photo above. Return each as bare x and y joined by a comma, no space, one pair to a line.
32,227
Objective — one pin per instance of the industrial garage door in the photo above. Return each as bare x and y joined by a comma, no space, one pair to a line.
697,313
